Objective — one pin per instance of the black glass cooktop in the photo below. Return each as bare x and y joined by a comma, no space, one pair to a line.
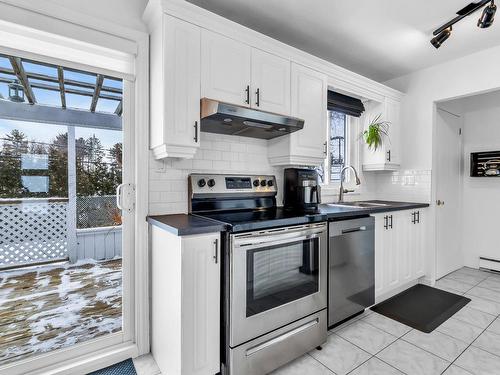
240,221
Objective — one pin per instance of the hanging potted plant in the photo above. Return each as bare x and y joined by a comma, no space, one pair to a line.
374,135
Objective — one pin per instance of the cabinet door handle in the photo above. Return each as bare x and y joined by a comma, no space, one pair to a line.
196,131
390,225
386,221
325,150
247,91
389,155
216,251
258,97
418,217
413,217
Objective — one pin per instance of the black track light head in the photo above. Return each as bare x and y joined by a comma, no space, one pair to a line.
441,37
488,16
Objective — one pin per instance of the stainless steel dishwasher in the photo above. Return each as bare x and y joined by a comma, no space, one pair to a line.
351,268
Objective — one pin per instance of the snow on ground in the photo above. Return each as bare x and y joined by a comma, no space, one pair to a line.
56,306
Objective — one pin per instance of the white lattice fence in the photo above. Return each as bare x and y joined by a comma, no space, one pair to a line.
33,231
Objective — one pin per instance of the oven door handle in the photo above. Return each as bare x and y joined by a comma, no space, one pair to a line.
272,240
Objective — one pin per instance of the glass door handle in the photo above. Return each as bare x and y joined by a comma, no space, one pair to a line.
216,251
125,193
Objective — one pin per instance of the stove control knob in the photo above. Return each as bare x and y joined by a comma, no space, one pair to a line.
263,183
211,182
201,182
256,183
270,183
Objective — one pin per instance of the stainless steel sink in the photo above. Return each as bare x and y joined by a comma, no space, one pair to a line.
359,204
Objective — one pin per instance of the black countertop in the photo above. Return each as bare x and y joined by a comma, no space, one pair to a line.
336,212
184,224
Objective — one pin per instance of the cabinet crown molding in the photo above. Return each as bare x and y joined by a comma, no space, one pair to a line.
344,78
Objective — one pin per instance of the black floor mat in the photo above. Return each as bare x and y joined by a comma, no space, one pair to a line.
422,307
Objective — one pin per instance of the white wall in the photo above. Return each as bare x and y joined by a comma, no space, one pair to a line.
472,74
481,203
468,75
127,13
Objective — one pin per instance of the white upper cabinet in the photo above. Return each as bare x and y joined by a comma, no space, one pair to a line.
195,54
270,82
236,73
309,102
388,156
226,69
175,87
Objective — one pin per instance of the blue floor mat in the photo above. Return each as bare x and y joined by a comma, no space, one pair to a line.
122,368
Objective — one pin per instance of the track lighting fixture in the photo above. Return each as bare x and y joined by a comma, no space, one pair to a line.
488,16
486,20
441,37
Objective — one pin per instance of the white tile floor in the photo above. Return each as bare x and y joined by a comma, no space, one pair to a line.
468,343
146,365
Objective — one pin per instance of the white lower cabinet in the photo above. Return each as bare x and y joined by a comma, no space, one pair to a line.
399,250
185,316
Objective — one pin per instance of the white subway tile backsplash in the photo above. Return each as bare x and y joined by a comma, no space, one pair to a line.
221,146
238,147
222,165
182,164
240,155
212,155
404,185
202,164
217,154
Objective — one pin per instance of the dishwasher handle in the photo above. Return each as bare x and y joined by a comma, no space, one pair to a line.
352,230
357,225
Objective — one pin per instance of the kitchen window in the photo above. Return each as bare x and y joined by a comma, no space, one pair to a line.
338,143
338,148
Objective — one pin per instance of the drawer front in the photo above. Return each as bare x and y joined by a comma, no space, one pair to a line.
267,353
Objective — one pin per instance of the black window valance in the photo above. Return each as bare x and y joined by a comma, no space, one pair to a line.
345,104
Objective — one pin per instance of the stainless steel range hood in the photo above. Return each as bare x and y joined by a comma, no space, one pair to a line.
223,118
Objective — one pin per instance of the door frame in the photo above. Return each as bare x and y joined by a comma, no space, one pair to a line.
431,255
41,36
436,179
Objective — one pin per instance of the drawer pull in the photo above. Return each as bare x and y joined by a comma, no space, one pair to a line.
282,337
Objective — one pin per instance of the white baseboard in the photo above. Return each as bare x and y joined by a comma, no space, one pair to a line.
489,264
395,291
426,281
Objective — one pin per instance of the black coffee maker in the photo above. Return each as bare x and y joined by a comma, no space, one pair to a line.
302,192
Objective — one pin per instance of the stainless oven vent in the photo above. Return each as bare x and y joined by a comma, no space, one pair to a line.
224,118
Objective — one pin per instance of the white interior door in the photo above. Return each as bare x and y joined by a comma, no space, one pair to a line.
448,155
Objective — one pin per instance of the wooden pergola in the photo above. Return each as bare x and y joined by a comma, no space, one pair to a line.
35,111
49,114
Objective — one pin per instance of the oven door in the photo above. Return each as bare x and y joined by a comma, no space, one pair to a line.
276,277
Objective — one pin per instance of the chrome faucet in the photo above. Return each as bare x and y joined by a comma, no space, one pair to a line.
342,190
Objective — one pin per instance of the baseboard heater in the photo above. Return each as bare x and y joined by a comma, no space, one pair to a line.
489,264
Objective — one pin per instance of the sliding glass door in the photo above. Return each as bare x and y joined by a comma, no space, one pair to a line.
65,245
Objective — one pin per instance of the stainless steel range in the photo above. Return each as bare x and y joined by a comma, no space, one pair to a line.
274,272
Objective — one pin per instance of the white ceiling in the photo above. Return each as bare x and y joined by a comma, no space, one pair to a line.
381,39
